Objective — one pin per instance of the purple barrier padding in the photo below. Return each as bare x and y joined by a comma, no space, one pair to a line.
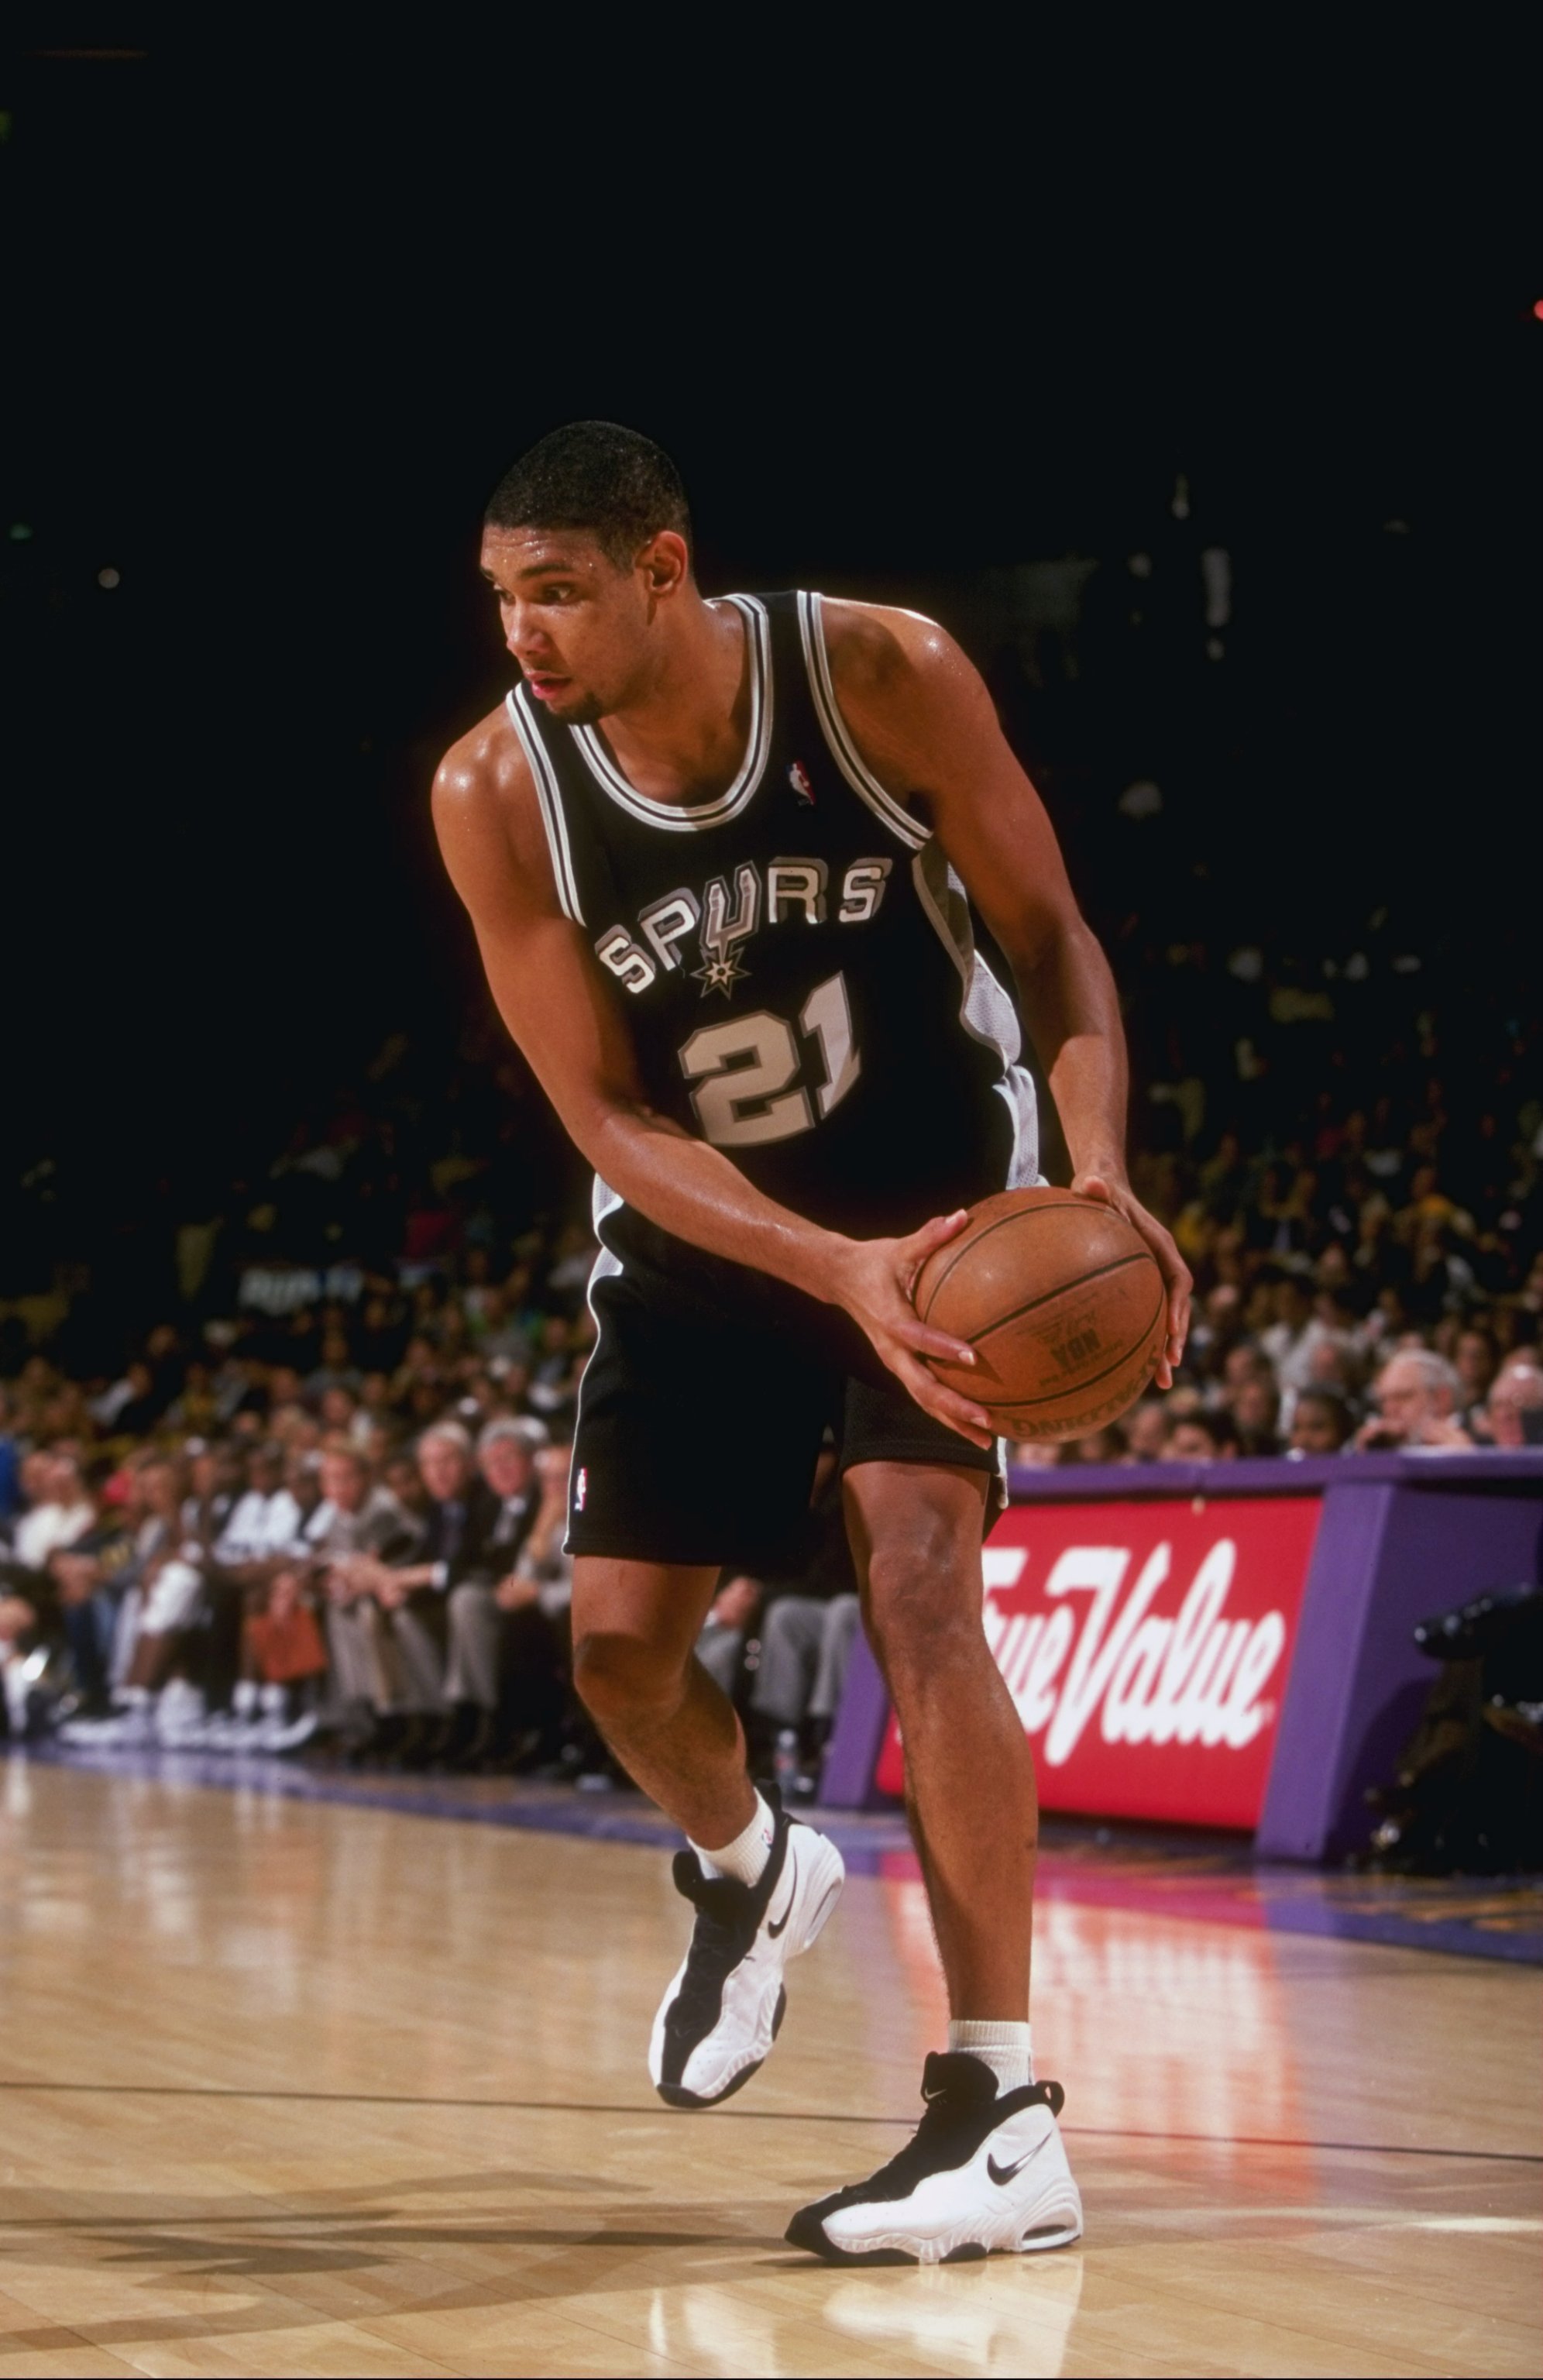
1402,1536
857,1739
1122,1482
1275,1474
1303,1794
1389,1552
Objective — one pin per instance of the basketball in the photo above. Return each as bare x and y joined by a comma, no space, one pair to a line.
1063,1304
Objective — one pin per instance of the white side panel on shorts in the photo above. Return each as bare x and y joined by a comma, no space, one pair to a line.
603,1201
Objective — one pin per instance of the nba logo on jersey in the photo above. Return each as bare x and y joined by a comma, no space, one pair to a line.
581,1489
797,777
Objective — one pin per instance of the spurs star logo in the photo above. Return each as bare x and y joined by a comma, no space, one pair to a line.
719,974
724,931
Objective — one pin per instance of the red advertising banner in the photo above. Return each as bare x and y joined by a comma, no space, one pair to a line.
1147,1646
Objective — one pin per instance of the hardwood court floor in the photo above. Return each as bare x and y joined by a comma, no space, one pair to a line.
293,2087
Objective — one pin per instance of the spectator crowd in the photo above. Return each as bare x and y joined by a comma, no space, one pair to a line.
317,1505
340,1531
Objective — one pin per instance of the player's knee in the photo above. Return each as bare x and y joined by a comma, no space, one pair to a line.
923,1604
913,1559
618,1677
918,1653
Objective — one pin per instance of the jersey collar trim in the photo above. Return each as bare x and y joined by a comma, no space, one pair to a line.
680,818
549,798
837,734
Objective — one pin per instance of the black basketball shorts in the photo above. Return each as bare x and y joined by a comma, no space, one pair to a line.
698,1428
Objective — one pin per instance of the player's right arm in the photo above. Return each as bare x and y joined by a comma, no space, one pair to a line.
551,996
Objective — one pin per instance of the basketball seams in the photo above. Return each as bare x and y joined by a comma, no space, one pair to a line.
1078,1206
1065,1289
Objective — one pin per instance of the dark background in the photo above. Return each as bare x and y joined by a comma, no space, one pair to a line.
278,314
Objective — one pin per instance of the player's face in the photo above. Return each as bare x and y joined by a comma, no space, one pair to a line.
578,625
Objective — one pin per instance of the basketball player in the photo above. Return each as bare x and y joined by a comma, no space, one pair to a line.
717,855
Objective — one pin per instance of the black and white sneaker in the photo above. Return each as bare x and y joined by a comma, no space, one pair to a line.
981,2174
717,2021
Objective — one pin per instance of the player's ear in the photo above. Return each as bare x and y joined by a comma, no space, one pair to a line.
665,562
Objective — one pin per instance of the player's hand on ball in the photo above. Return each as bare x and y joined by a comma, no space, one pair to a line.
875,1288
1114,1191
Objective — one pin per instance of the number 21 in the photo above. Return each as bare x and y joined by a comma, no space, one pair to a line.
742,1070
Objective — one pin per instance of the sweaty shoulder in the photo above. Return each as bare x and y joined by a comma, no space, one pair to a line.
904,687
486,814
876,648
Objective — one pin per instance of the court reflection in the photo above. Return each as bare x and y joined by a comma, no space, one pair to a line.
1008,2322
1156,2026
310,2088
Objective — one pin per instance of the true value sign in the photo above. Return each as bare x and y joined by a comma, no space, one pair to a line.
1147,1646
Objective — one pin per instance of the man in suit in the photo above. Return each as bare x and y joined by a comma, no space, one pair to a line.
417,1592
501,1648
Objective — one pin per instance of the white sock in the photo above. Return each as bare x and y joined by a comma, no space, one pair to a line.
744,1859
1007,2049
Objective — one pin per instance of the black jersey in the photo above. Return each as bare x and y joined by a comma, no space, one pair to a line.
794,956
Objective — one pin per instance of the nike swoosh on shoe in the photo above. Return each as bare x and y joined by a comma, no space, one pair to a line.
780,1925
1002,2174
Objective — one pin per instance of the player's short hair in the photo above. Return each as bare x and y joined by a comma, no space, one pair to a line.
595,476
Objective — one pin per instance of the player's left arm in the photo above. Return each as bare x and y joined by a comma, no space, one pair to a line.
926,727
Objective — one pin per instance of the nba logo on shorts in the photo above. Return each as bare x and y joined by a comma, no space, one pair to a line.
581,1489
797,777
